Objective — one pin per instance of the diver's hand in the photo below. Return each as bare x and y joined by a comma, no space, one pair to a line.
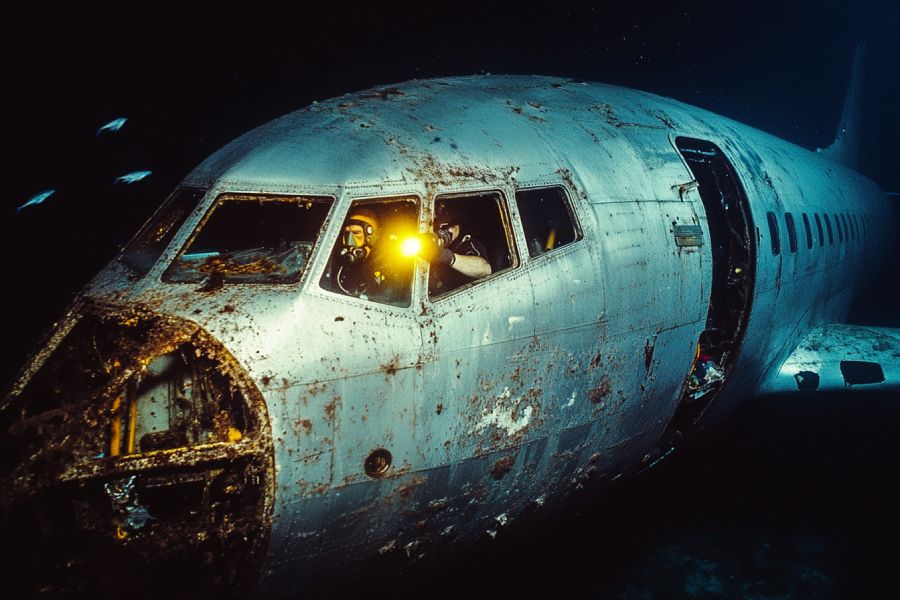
433,250
445,258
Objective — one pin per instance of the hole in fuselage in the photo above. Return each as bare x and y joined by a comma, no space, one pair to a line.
378,463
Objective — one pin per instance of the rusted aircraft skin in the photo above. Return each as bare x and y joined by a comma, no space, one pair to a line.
322,432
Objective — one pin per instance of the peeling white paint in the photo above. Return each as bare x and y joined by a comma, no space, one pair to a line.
514,320
571,400
504,417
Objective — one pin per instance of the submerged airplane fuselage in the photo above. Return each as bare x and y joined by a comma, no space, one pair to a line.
222,402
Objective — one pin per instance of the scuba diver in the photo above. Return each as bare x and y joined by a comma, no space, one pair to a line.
456,257
364,268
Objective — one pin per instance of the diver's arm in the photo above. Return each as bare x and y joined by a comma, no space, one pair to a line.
472,266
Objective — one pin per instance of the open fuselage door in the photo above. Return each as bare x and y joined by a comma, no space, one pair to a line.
733,258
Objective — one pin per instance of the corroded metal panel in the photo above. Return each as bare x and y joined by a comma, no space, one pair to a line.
474,398
572,335
653,283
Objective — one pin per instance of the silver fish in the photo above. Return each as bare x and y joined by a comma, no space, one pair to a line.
114,125
132,177
36,199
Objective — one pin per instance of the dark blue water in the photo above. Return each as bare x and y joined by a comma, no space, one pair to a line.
791,498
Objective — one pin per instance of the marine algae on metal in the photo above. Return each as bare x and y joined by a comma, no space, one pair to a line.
92,496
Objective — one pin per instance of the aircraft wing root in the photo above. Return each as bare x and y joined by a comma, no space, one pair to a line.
839,357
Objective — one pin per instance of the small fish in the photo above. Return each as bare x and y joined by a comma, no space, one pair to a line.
132,177
37,199
112,126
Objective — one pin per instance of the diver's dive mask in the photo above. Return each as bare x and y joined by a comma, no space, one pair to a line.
356,246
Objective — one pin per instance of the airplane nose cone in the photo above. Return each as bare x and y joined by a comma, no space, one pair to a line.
136,460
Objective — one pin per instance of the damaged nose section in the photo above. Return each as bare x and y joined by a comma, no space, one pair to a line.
135,461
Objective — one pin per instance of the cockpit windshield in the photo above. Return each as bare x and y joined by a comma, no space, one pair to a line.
146,248
252,239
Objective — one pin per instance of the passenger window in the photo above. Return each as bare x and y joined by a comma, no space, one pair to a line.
248,238
546,219
837,225
366,261
828,225
792,231
848,225
809,240
819,228
773,233
474,228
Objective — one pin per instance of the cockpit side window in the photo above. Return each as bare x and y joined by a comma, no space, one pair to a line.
145,249
546,219
475,229
252,239
366,261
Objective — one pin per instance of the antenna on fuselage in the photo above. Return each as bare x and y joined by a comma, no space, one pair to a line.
845,148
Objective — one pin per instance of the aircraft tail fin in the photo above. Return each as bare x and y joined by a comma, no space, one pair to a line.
845,148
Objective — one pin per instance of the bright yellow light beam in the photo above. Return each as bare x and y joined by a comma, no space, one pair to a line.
410,246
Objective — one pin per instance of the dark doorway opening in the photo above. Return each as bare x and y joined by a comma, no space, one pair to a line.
733,252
